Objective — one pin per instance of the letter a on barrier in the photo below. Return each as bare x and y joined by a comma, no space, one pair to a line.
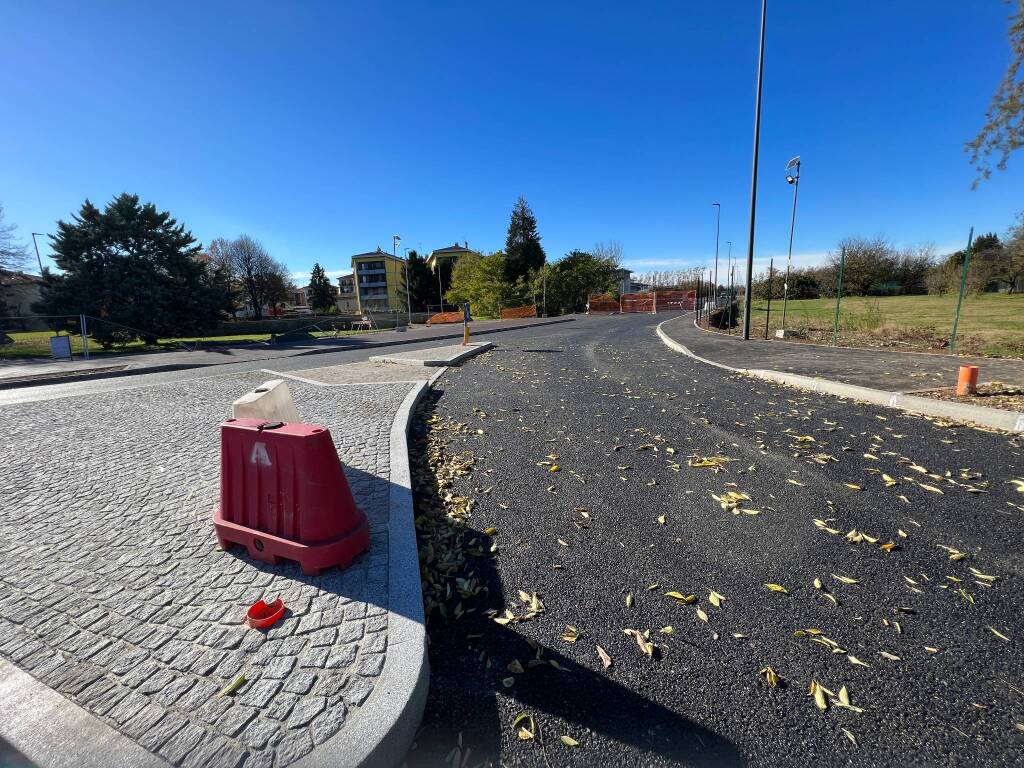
260,455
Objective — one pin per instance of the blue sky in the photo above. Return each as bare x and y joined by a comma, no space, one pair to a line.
324,128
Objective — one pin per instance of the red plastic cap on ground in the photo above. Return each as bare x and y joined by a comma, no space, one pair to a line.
283,494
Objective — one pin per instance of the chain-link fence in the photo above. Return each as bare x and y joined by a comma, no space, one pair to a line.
872,295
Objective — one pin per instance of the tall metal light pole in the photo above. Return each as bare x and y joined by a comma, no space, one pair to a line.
408,299
753,179
718,223
395,240
41,234
793,179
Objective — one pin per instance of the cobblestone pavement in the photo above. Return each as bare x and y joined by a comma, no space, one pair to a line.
117,597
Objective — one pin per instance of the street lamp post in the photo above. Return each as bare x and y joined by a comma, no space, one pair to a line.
753,178
718,223
41,234
395,240
408,298
793,179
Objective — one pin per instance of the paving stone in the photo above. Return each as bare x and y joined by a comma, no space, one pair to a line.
279,668
300,682
294,746
281,706
216,753
258,733
328,723
145,719
235,719
260,693
179,745
305,710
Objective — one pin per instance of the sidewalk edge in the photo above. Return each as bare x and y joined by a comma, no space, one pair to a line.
382,730
54,731
995,418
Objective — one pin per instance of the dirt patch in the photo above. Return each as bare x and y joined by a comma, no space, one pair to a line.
993,394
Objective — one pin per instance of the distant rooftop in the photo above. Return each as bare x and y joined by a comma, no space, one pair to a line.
456,248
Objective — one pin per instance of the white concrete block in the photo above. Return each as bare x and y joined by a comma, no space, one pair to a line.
270,401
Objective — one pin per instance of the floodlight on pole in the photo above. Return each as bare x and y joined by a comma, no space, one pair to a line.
41,234
794,180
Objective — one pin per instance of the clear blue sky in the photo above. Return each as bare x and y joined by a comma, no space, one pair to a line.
324,128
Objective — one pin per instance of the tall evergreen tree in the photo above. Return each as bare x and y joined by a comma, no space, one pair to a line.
320,293
137,270
422,285
523,251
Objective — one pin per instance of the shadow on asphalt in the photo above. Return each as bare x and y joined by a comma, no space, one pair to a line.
468,717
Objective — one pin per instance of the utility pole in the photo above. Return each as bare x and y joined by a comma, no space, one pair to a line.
963,286
718,223
768,314
753,177
544,310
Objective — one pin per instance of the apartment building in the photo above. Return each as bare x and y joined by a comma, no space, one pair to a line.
379,281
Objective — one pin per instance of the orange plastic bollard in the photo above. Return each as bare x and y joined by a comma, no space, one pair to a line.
967,383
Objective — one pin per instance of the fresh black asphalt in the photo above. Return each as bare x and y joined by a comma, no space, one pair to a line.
607,399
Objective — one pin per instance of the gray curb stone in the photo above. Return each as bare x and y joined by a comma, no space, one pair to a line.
382,730
1010,421
411,358
51,730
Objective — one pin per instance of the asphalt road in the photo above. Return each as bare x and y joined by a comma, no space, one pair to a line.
622,414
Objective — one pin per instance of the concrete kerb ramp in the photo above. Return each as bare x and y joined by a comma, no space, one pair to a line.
436,356
994,418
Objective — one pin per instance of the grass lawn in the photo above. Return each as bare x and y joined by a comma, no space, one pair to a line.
37,344
29,344
991,324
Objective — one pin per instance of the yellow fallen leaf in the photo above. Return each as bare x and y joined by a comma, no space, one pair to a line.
606,660
777,588
853,486
850,736
998,634
716,599
932,488
794,482
679,596
845,579
770,676
855,661
569,741
701,615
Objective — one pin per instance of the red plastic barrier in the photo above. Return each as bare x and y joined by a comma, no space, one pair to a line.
283,494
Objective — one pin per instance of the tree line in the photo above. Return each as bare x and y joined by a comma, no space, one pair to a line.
876,267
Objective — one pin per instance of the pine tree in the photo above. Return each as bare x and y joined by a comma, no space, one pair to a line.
523,251
422,285
136,270
319,293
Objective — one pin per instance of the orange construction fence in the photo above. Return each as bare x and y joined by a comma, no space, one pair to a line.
602,303
445,317
665,301
514,313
